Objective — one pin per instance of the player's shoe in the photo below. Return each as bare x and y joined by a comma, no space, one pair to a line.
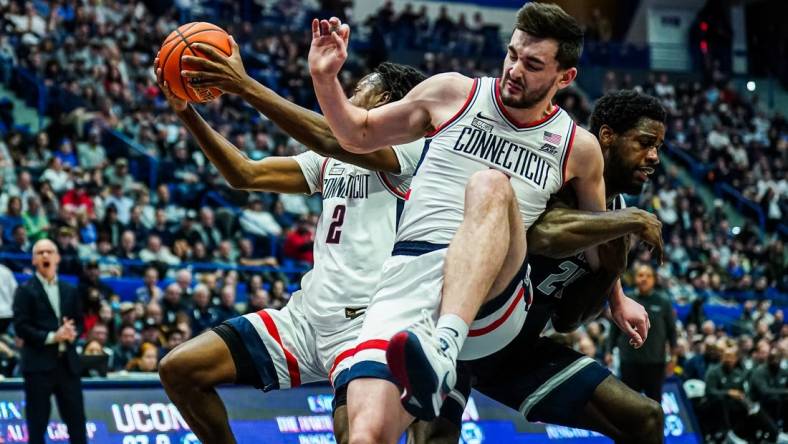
417,358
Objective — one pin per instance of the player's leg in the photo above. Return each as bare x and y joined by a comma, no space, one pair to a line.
339,412
484,257
189,374
447,427
375,414
622,414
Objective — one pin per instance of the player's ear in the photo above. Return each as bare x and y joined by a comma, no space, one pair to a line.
606,136
567,77
383,98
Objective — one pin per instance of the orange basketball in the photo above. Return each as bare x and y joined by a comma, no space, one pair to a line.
177,44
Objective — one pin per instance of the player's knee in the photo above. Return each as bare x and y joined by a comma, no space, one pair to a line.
175,370
653,418
363,432
491,186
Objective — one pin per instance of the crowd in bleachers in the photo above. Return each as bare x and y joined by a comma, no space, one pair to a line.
109,219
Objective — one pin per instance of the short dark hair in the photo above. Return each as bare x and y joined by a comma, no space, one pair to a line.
398,79
621,111
548,21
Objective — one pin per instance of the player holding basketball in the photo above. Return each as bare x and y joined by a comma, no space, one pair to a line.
471,125
542,379
310,339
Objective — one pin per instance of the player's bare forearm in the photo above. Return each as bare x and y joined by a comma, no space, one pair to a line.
563,232
312,130
348,123
276,174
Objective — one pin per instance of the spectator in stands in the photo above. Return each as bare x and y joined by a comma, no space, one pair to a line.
769,387
35,219
206,229
183,278
172,212
226,308
120,201
299,242
161,227
69,255
172,303
136,225
279,296
257,300
225,254
203,315
90,280
156,252
37,157
188,228
174,338
151,329
256,221
7,288
126,348
18,245
58,175
91,153
65,153
119,176
111,227
146,361
644,368
49,200
12,217
726,394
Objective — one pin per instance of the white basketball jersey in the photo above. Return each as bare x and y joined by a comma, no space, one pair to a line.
482,136
355,233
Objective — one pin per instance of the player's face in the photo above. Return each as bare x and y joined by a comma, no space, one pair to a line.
632,156
531,72
369,93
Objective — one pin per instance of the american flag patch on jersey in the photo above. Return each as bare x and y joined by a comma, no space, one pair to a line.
555,139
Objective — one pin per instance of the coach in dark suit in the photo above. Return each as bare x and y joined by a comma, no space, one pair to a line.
48,317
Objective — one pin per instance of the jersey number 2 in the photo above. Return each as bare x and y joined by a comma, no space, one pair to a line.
566,277
334,230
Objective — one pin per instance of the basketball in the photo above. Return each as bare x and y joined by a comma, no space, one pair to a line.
178,44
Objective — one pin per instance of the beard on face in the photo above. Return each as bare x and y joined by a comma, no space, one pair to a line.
527,98
621,176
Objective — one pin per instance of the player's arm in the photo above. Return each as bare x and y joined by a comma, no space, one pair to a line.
359,130
584,173
562,231
307,127
275,174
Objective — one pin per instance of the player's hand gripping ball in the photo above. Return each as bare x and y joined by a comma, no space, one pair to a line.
178,44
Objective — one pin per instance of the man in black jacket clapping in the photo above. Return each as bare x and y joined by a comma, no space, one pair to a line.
48,318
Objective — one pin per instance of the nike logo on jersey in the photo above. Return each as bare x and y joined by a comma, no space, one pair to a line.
481,116
353,313
519,160
336,170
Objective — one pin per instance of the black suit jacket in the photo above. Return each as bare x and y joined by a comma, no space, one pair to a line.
34,318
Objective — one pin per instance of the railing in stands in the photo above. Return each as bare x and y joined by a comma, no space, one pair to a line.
744,205
33,91
287,269
143,166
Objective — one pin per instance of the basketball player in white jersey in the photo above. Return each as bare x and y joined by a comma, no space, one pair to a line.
477,141
311,338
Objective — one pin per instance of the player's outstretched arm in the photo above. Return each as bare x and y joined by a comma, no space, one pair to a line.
359,130
228,74
276,174
563,232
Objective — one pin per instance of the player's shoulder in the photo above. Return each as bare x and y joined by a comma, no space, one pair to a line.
585,146
446,85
